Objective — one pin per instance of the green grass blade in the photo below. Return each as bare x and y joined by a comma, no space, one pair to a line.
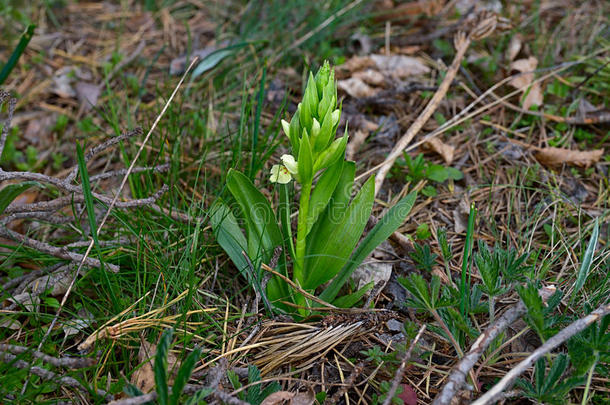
465,282
380,232
257,120
183,375
587,260
19,49
12,191
161,367
230,237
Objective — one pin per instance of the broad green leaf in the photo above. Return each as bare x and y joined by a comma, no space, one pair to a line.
263,232
325,187
380,232
336,240
230,237
338,203
214,58
587,260
349,300
437,173
12,191
161,367
183,375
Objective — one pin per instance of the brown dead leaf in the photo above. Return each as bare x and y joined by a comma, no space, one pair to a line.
356,88
87,94
57,283
514,47
144,377
370,76
354,64
446,151
399,66
524,81
289,398
559,156
11,324
278,398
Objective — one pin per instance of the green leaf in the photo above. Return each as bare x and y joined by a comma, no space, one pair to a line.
454,173
214,58
161,367
17,52
380,232
587,260
349,300
305,160
199,396
230,237
336,240
535,308
437,173
12,191
337,206
263,232
183,375
325,187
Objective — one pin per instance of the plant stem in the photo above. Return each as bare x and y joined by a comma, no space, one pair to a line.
589,379
299,276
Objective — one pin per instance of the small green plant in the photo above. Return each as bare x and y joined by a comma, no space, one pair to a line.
165,396
552,387
419,169
255,394
330,222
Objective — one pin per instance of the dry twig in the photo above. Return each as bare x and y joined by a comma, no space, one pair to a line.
70,362
462,368
403,365
572,329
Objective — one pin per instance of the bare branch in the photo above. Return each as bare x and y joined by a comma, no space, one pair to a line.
572,329
48,375
116,173
403,365
462,368
61,252
102,147
70,362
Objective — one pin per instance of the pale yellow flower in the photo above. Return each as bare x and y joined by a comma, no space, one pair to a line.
279,174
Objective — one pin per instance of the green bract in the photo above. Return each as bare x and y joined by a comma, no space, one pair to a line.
325,249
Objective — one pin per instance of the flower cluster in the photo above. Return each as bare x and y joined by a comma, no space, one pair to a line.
312,131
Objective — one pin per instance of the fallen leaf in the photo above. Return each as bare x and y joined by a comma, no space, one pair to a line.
399,66
11,324
278,398
178,65
370,76
29,301
87,94
524,81
356,88
144,376
372,270
354,64
76,325
289,398
408,395
446,151
514,46
559,156
57,283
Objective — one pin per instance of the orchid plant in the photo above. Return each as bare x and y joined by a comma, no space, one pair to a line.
330,223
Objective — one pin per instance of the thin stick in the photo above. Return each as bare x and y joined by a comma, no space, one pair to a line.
48,375
70,362
116,197
462,43
462,368
572,329
403,365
